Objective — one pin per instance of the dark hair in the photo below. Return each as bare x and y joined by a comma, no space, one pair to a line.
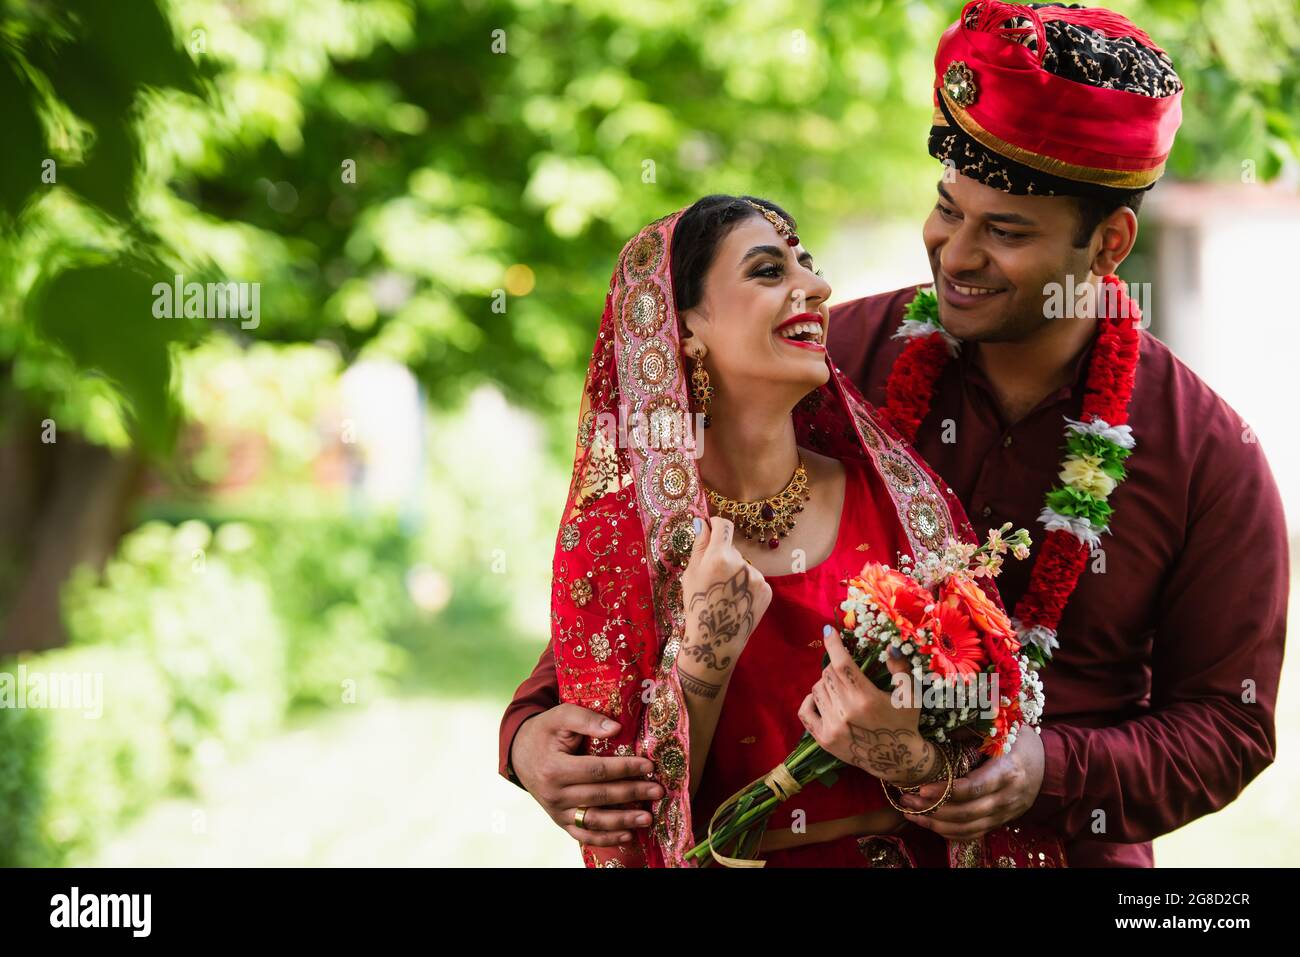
699,232
1093,209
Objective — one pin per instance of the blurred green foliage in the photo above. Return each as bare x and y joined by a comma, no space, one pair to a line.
204,640
339,588
65,779
272,396
211,631
378,165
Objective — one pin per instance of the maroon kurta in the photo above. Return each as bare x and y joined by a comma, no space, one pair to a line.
1160,699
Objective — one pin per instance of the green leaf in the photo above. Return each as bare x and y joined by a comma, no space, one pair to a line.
118,50
138,42
1112,456
24,138
102,316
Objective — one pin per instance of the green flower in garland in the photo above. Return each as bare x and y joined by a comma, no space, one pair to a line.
924,307
1065,500
1110,457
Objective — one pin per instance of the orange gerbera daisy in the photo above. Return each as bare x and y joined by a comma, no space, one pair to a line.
901,598
991,620
954,644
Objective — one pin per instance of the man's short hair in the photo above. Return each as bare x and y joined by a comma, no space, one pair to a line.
1093,209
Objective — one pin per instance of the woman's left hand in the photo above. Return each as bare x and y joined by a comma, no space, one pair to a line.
863,726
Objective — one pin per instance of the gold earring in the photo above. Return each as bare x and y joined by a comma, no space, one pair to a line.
701,390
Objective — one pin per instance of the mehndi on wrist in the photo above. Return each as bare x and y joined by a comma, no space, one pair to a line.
947,791
938,774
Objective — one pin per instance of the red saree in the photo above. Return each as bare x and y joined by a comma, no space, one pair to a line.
759,723
626,534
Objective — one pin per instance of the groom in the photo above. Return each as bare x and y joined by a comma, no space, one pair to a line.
1051,124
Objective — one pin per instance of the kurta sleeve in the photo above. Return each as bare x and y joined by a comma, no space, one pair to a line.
539,692
1215,664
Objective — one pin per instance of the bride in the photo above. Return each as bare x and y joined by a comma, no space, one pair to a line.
727,480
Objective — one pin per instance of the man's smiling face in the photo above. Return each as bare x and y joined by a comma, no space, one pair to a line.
993,255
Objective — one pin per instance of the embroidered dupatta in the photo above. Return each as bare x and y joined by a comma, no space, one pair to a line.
627,533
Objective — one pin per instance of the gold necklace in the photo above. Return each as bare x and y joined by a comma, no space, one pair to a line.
768,519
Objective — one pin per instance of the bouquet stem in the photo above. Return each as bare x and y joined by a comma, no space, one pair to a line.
803,768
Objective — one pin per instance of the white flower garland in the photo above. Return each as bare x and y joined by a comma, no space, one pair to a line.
1078,526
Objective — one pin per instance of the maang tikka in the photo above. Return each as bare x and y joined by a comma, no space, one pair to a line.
779,223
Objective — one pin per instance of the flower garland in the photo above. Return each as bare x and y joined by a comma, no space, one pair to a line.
1075,512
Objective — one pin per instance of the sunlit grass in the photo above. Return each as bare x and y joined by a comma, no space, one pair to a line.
405,782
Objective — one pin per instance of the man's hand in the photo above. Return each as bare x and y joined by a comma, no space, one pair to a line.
542,756
998,791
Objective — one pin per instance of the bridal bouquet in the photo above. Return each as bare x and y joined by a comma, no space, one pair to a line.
967,670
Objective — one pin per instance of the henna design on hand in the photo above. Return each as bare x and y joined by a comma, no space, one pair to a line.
889,755
725,614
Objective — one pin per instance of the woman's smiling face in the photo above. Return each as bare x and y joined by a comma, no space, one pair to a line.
763,315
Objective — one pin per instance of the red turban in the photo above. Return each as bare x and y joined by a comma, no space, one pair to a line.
1052,99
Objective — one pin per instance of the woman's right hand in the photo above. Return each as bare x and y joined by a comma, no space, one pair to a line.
724,597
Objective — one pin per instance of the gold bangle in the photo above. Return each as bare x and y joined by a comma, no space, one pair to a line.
930,780
947,791
968,759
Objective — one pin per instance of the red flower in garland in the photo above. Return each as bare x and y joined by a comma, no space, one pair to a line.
1108,391
1114,367
911,383
1055,574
